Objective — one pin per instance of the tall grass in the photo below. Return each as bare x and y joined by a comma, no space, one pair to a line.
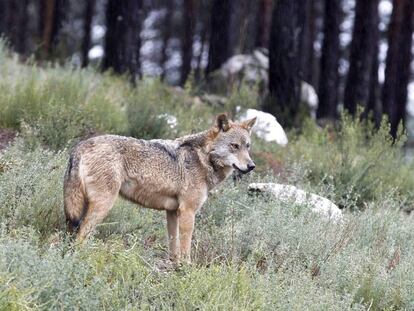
249,252
59,103
353,164
52,105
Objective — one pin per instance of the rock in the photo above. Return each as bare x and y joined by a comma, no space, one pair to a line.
266,127
292,194
309,97
253,69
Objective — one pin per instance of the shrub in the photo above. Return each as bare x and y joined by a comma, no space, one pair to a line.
250,252
145,111
352,165
150,105
59,103
31,189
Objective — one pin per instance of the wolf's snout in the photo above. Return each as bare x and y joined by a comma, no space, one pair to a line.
251,166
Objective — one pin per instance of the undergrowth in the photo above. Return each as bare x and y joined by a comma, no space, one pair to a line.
249,252
355,163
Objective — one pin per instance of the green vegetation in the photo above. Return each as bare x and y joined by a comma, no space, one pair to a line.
355,164
249,252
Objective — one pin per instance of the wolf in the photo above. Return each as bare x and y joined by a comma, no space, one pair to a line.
171,175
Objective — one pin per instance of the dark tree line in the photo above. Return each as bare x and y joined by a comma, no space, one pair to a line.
122,40
283,59
87,28
303,38
362,87
397,72
219,34
329,76
363,48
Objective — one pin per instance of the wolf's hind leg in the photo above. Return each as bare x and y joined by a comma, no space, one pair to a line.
173,236
97,211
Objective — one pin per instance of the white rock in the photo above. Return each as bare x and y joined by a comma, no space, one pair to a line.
235,64
253,68
250,68
309,97
287,193
266,127
262,58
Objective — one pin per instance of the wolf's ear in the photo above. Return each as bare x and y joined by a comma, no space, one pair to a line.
223,122
248,124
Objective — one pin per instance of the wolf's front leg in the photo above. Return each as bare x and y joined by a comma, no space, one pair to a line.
173,236
186,218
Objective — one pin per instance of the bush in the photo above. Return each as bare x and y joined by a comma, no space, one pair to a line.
59,103
31,188
145,111
251,253
352,165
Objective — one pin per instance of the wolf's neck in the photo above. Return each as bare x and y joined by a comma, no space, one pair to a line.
217,176
200,142
214,175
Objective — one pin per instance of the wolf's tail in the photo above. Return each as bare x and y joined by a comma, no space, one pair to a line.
74,195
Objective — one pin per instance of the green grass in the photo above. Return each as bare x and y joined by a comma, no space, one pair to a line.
249,252
352,165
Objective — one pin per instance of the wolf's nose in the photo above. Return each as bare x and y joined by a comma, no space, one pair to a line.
251,166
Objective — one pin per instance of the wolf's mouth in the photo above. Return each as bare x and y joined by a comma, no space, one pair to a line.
240,170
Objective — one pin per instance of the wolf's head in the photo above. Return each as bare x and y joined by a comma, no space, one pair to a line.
231,144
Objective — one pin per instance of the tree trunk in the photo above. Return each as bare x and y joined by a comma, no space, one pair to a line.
219,34
237,23
248,31
315,27
284,84
187,42
21,33
47,31
264,19
122,40
242,26
204,20
397,72
87,26
308,31
329,76
41,4
51,18
305,37
363,47
3,18
166,34
14,20
373,110
114,37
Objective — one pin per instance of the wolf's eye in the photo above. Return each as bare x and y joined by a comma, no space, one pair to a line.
248,145
235,146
